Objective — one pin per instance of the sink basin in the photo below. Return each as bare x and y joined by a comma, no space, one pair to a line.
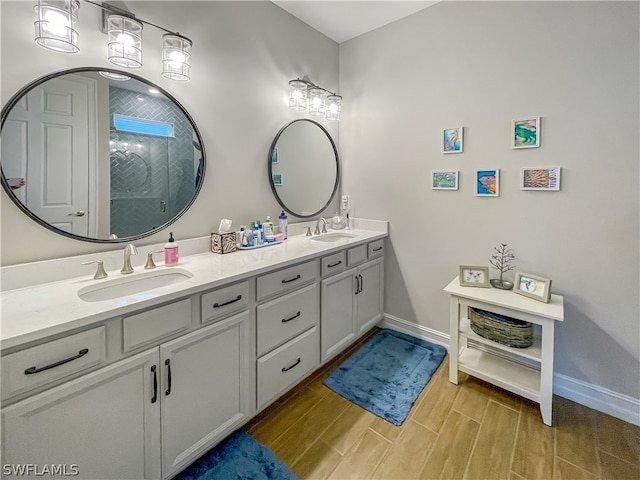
131,284
333,237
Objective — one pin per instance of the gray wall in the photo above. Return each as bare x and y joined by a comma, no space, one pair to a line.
244,55
480,65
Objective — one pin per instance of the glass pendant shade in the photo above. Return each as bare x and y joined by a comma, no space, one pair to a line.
297,95
114,76
55,25
125,41
316,101
334,106
176,57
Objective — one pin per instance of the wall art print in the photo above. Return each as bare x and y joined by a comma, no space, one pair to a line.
525,133
277,179
444,180
540,178
452,141
488,183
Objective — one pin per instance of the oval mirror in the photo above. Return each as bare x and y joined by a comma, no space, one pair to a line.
98,159
304,168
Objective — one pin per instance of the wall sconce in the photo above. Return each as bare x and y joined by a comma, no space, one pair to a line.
320,101
55,30
55,25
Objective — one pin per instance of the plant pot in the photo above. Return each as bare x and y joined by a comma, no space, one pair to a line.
501,284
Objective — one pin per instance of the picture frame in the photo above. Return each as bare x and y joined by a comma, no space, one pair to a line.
474,276
487,182
444,179
452,140
277,179
525,133
532,286
540,178
274,156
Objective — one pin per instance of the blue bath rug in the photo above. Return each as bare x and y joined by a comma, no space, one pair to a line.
386,375
238,457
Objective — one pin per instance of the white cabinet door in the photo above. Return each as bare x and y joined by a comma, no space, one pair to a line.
105,425
206,389
337,313
369,297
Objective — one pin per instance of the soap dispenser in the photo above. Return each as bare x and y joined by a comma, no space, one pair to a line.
171,255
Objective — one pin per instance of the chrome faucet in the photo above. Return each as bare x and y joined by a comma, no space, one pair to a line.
129,250
324,226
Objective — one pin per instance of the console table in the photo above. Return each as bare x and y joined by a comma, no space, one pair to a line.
527,372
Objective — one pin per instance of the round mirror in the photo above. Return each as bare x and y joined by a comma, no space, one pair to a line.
99,159
304,169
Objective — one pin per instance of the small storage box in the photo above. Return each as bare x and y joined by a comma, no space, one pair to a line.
223,242
500,328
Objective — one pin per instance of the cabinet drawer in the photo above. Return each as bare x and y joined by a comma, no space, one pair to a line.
51,361
356,255
155,324
335,263
286,279
285,317
286,365
375,249
223,301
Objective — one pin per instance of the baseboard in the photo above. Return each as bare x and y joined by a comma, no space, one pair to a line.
599,398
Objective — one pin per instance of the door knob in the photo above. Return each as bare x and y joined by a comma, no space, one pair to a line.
79,213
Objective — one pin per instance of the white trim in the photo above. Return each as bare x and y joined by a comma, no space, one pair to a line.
599,398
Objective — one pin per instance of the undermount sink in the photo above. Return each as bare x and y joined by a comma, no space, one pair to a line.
333,237
129,285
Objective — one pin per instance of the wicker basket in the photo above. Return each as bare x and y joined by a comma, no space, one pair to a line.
500,328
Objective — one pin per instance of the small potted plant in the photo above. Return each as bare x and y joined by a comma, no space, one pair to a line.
501,261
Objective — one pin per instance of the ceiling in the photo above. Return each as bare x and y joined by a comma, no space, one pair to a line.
342,20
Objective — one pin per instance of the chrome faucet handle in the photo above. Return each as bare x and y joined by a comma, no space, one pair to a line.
324,226
129,250
100,273
308,234
150,263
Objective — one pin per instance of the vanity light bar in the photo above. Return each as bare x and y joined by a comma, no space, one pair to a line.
320,101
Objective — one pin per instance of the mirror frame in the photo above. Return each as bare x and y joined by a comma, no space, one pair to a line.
24,90
337,158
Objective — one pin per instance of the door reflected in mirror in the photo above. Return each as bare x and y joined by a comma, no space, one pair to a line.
93,158
304,168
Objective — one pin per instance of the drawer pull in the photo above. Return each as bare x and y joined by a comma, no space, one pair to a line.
155,384
376,249
218,305
285,320
357,284
334,264
297,277
294,365
32,370
167,362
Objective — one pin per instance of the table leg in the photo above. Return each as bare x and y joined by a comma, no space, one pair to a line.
454,343
546,372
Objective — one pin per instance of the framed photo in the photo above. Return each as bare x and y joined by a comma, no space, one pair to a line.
444,179
452,141
488,183
540,179
277,179
525,133
532,286
474,276
274,156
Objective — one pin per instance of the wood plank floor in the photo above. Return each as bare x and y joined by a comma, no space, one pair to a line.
468,431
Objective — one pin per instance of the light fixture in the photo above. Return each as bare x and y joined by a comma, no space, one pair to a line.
320,100
55,25
334,107
114,76
176,57
125,41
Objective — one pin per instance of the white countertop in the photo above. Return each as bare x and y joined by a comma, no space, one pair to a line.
35,312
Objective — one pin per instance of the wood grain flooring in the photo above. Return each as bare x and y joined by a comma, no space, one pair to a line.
472,430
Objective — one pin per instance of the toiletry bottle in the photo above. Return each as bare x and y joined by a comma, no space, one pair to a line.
255,238
240,236
282,220
171,256
268,230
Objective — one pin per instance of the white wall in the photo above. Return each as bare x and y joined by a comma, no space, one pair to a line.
244,54
480,65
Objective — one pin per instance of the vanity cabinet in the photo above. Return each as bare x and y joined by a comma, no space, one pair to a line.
352,301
